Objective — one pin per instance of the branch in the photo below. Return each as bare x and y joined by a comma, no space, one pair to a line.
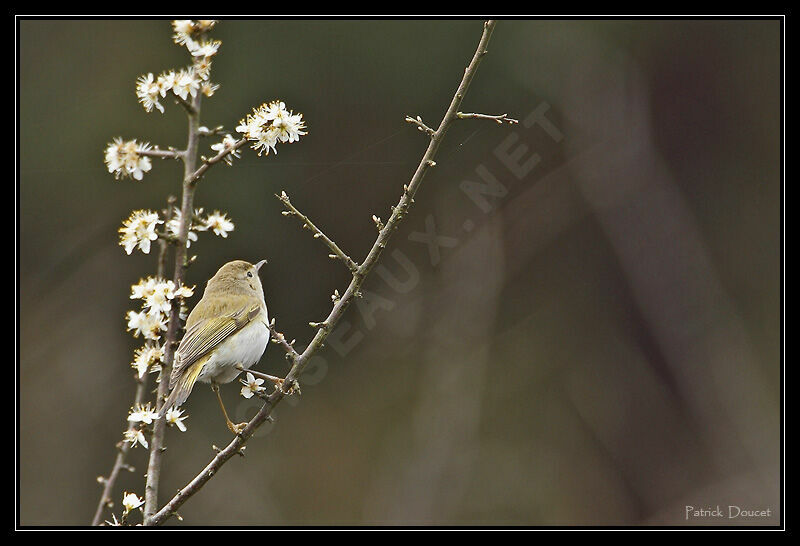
308,224
190,108
500,119
421,125
192,178
157,448
138,399
119,461
218,130
163,154
280,339
398,214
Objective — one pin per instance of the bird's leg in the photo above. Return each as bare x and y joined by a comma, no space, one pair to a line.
236,429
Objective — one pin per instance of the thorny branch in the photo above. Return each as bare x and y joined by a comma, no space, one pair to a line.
308,224
299,361
279,338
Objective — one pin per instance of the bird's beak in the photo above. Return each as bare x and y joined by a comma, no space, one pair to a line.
259,264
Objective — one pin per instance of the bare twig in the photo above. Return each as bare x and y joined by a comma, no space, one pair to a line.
299,362
421,125
162,154
218,130
280,339
500,119
308,224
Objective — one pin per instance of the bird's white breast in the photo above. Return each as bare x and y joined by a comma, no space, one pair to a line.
245,347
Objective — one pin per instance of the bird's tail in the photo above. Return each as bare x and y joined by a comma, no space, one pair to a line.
183,387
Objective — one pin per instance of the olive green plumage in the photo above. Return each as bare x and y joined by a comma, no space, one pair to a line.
228,326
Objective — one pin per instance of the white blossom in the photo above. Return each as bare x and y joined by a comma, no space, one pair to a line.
125,159
143,414
143,288
183,30
139,230
175,417
135,437
131,501
165,82
226,144
219,224
251,386
158,294
208,89
173,226
147,90
146,324
270,124
203,67
147,357
187,83
206,48
204,25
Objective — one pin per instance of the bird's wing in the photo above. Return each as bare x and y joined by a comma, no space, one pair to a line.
204,335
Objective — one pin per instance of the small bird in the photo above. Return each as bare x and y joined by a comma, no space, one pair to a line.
226,332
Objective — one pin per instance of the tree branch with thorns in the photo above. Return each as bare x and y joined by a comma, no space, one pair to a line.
359,271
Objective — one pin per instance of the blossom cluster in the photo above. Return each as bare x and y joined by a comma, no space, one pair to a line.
139,230
186,82
158,296
270,124
187,32
127,159
145,415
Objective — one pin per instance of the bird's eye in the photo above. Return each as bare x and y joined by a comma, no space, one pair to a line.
249,273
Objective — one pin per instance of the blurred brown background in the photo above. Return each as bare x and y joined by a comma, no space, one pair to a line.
598,343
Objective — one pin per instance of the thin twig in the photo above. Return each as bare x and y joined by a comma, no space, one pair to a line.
500,119
119,462
338,253
162,154
192,178
190,107
218,130
280,339
421,125
398,214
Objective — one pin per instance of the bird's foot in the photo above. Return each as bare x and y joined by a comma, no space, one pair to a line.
236,429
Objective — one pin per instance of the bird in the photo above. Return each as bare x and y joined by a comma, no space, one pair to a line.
226,332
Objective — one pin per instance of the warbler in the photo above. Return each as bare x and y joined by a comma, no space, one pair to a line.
226,332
